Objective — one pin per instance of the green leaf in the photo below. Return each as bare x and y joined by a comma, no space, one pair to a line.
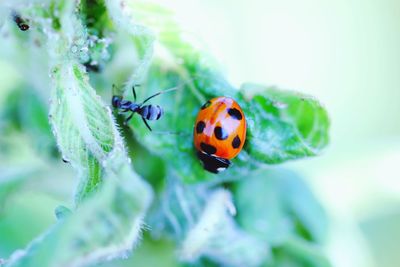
82,124
283,125
276,205
108,223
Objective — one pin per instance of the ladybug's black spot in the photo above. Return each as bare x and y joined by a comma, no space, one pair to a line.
200,127
206,105
235,113
211,163
220,133
236,142
209,149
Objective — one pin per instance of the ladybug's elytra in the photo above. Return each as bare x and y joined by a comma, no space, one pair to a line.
219,133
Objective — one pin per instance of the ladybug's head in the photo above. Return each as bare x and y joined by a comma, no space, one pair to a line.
212,163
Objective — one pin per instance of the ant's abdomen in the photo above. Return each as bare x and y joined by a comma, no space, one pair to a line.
151,112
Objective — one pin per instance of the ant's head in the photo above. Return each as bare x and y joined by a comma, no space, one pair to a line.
116,101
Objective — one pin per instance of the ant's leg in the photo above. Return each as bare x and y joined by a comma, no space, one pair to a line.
122,111
134,92
145,122
128,119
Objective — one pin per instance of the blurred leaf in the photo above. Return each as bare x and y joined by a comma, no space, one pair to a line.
201,221
18,163
297,252
62,212
139,37
217,236
177,210
276,205
10,180
25,112
25,215
159,253
103,227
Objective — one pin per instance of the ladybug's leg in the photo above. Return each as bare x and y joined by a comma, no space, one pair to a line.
145,122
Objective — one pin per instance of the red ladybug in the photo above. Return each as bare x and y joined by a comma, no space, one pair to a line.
219,133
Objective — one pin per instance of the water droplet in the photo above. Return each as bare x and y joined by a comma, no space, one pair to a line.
80,42
74,49
279,105
84,57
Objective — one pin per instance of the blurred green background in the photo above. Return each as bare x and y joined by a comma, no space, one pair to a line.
346,53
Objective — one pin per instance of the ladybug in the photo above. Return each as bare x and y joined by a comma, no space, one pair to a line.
219,133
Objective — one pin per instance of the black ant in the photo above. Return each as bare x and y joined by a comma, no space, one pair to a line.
21,23
147,112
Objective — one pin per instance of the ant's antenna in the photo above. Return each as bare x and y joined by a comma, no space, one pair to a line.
159,93
165,91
